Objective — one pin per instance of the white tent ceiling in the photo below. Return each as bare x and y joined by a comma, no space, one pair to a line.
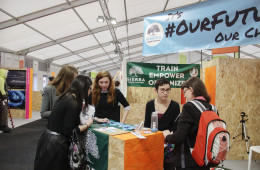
67,32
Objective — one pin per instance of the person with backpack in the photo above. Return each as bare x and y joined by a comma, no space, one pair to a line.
185,136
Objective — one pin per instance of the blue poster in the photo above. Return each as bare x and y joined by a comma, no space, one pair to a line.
206,25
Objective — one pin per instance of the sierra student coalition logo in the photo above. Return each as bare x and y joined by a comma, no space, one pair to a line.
135,75
194,72
154,34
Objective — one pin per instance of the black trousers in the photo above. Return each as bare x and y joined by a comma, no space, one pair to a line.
168,166
3,113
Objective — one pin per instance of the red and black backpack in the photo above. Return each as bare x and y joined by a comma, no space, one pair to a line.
212,141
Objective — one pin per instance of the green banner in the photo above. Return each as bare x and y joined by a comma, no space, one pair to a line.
146,74
97,149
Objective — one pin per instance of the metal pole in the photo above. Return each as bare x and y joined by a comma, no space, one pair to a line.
200,58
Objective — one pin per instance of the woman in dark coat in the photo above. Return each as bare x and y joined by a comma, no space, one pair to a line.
185,136
52,149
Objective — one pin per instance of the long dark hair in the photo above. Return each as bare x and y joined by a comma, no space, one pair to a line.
79,87
198,87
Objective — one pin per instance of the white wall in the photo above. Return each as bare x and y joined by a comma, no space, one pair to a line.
54,68
10,60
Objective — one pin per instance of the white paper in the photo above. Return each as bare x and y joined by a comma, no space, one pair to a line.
138,135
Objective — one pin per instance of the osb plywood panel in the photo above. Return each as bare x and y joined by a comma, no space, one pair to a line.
237,90
116,154
17,113
139,96
36,100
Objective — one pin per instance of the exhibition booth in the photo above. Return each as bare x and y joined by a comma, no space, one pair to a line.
232,83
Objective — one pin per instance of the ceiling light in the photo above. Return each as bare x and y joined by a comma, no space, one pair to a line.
100,19
113,21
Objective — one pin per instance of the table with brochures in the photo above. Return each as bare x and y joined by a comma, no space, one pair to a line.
113,146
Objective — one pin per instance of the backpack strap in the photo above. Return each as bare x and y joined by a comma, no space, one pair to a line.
214,108
199,105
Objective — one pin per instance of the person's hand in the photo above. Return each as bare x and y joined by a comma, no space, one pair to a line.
166,133
104,120
89,122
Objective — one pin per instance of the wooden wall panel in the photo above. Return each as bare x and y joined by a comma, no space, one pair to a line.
17,113
237,90
139,96
116,153
37,100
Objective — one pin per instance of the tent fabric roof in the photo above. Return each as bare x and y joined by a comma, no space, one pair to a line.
67,32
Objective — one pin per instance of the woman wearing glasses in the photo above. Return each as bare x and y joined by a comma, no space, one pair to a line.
185,136
168,110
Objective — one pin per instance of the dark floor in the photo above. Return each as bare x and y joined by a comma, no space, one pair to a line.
19,147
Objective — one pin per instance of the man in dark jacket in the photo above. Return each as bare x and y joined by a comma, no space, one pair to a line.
3,102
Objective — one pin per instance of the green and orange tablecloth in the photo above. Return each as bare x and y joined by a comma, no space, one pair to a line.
124,151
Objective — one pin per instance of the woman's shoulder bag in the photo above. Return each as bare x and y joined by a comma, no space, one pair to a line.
76,154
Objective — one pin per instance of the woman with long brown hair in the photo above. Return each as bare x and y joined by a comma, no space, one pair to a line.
56,87
105,97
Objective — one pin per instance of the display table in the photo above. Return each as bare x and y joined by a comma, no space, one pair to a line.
124,151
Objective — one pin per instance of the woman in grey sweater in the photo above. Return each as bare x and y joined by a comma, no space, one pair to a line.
60,84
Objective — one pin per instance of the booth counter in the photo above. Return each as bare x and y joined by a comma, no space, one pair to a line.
124,151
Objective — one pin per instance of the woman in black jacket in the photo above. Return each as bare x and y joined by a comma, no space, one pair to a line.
105,97
185,136
168,110
52,149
